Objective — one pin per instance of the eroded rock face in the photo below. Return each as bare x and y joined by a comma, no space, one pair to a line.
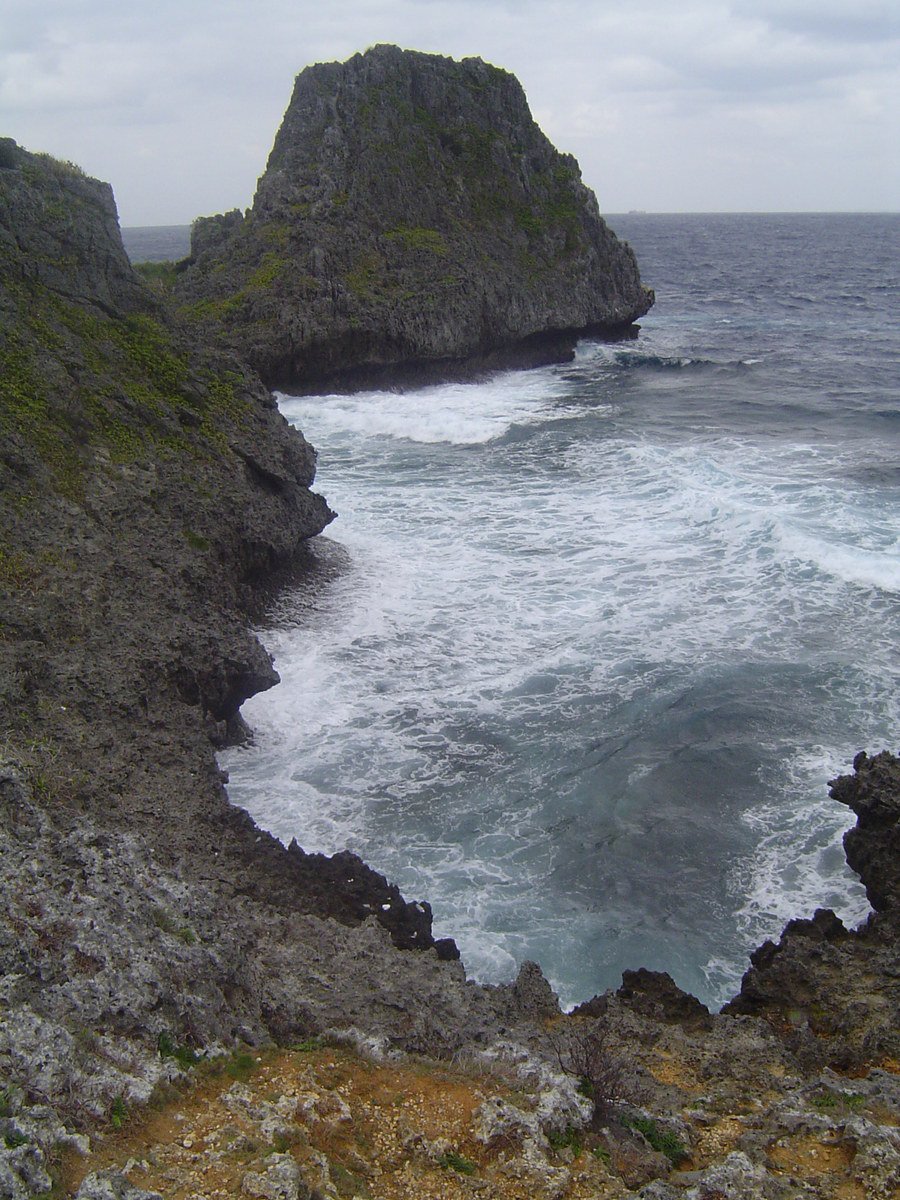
412,218
842,985
149,489
148,492
655,994
873,845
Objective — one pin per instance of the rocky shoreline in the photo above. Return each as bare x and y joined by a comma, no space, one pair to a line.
151,493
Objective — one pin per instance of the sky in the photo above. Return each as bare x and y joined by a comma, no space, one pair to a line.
691,106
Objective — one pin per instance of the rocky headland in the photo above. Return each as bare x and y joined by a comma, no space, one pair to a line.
412,220
190,1009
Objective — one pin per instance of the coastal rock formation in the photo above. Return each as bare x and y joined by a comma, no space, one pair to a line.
843,985
151,493
412,218
150,496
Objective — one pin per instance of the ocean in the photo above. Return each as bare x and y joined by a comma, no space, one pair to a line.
587,641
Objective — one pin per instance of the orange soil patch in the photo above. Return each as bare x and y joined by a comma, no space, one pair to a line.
822,1162
675,1072
716,1141
371,1131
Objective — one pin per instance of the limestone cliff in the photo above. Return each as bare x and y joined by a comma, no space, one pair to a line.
844,984
412,217
148,492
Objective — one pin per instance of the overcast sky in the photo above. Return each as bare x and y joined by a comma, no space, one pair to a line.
669,105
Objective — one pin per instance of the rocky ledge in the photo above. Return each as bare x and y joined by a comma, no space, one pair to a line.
843,985
412,220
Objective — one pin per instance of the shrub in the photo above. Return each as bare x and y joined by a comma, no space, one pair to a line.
451,1161
183,1055
309,1044
241,1066
118,1114
662,1140
582,1052
160,276
568,1139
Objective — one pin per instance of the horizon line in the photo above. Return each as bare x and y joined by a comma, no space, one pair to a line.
661,212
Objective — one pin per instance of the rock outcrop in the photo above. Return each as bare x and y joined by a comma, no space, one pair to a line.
843,985
412,219
150,494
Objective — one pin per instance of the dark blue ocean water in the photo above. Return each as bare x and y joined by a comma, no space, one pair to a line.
589,640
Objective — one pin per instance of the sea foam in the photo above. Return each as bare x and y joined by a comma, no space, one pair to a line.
593,640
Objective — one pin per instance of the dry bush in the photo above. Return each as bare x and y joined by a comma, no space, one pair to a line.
583,1051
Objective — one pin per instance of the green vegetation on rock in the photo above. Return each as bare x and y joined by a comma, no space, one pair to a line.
421,162
662,1140
159,275
430,240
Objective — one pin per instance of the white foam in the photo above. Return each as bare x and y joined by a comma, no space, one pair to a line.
456,413
878,568
504,600
798,864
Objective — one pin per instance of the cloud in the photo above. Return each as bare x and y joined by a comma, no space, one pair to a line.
178,103
844,21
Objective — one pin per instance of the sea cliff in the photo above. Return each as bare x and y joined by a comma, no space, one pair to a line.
412,219
157,949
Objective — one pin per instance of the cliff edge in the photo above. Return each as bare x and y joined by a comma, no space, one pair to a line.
149,493
412,219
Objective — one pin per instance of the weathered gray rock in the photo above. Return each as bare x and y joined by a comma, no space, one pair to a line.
150,493
112,1185
499,1121
873,844
656,994
23,1172
412,217
737,1178
281,1180
842,986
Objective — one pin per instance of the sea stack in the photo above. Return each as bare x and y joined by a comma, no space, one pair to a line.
412,220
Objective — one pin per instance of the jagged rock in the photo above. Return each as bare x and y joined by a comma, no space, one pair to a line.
112,1185
842,986
412,217
737,1178
499,1122
416,1143
657,995
529,997
633,1158
39,1124
23,1171
531,1170
281,1180
274,1119
873,845
59,230
533,995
